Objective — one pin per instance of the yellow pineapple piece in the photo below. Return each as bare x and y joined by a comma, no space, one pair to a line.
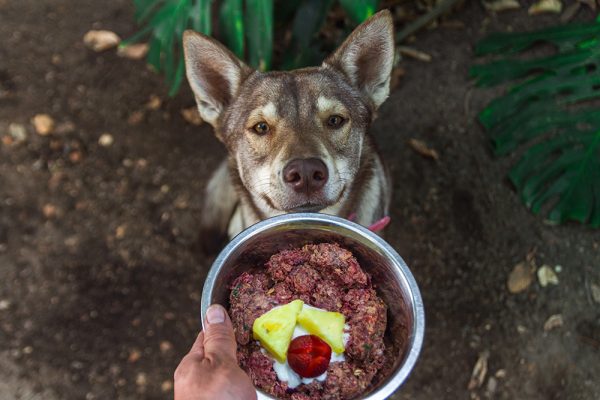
274,329
327,325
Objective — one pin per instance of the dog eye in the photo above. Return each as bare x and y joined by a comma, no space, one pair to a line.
261,128
335,121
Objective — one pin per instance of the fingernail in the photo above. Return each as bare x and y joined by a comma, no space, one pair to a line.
215,315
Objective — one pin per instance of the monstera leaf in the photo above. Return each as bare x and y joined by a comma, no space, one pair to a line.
551,116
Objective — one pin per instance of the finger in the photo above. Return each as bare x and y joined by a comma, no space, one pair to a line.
219,338
198,346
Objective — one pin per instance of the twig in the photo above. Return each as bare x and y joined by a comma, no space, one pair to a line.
423,20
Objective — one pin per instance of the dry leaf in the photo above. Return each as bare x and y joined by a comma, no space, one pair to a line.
414,53
501,5
101,40
133,51
555,321
547,276
521,277
192,115
545,6
421,148
43,124
479,371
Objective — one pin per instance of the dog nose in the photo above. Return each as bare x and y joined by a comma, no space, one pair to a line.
306,175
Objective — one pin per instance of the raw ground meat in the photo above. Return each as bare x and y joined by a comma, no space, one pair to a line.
324,276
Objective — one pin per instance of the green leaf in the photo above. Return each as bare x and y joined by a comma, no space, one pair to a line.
359,10
259,31
308,20
202,17
231,21
553,113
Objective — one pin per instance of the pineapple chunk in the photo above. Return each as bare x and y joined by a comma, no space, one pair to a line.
327,325
274,329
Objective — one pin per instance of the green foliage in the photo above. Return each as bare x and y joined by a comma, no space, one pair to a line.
553,113
246,27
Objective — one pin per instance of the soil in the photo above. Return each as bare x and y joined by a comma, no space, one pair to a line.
100,276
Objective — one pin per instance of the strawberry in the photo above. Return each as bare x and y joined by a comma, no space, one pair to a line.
309,356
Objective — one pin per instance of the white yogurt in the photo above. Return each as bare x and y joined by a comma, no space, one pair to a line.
285,373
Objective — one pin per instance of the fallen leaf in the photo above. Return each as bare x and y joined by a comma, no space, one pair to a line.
414,53
545,6
101,40
154,103
547,276
501,5
192,115
133,51
421,148
479,371
520,277
555,321
43,124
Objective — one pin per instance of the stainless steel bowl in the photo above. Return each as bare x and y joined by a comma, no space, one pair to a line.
394,281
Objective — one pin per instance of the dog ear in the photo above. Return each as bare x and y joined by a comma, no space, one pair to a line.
366,57
214,74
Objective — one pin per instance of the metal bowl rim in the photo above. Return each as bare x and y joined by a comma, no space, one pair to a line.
395,380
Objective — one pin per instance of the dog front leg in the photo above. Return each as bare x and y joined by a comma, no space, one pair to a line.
220,201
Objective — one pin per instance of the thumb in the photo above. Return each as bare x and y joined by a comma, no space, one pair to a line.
219,338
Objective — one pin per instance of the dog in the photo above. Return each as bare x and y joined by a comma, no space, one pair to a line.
297,141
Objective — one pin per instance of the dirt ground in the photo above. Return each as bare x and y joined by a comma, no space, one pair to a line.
100,277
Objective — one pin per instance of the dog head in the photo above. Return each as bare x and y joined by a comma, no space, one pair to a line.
296,137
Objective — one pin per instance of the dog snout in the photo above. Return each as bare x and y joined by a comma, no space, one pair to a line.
306,175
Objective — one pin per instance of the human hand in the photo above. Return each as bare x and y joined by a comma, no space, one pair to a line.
210,370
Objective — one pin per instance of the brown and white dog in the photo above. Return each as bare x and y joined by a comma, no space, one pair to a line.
297,140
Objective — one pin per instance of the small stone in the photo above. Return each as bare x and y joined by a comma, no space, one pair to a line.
165,346
75,156
134,355
17,132
521,277
27,350
166,386
555,321
7,140
165,189
141,379
43,124
154,102
546,276
120,231
192,116
135,118
133,51
106,140
4,304
100,40
500,374
521,329
49,210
